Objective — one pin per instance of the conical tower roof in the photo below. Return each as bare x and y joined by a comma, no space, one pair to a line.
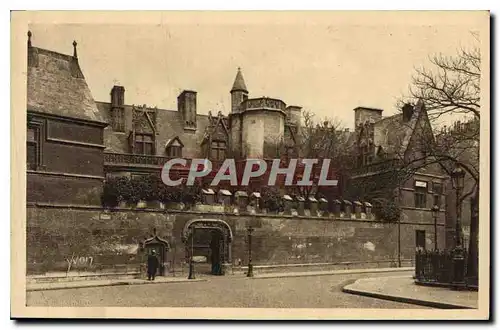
239,83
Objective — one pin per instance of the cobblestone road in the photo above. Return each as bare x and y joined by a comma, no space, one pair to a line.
230,291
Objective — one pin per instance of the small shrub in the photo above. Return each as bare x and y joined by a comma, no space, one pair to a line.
192,194
116,190
139,189
386,210
272,200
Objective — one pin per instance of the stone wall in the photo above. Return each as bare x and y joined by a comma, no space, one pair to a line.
78,238
46,187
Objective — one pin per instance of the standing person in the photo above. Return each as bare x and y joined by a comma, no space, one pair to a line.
152,265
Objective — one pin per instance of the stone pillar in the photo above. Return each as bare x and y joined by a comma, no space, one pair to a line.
288,201
368,210
336,207
241,200
300,205
348,208
255,200
208,196
323,207
313,206
224,197
357,209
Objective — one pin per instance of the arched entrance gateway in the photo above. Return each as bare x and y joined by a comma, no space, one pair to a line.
209,242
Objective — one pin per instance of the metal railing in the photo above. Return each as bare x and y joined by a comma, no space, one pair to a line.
115,158
436,266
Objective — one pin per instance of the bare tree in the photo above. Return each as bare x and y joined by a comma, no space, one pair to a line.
450,86
323,139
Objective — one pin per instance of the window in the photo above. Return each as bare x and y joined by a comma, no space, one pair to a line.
420,194
367,154
144,144
174,151
437,200
437,188
32,147
118,120
420,239
218,151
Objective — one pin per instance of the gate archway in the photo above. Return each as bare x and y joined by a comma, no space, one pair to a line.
209,235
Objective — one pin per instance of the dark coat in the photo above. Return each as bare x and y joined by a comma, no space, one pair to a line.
152,263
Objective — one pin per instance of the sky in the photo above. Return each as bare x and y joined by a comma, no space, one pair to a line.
328,65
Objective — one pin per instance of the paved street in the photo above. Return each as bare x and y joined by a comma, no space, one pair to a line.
230,291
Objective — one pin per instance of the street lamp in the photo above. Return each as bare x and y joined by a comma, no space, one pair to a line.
457,177
191,261
250,266
435,214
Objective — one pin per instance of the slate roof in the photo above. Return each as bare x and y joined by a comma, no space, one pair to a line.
169,125
393,134
239,82
56,86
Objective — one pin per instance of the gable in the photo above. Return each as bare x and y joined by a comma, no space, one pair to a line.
144,121
55,89
421,138
218,129
175,142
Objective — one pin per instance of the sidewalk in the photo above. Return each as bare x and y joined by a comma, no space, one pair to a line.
403,289
58,285
334,272
98,283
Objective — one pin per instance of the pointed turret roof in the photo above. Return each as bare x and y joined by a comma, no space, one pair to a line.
239,82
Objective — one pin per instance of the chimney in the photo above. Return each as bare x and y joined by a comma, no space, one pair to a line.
364,114
407,112
117,96
186,105
117,111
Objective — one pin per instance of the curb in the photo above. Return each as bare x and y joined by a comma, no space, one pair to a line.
337,272
426,303
110,284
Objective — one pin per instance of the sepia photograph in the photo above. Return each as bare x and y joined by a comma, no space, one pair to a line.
248,165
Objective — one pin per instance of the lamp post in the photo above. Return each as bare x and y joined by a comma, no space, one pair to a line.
250,266
191,261
458,176
435,214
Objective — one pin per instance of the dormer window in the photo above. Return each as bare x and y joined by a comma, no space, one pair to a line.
144,144
218,150
173,148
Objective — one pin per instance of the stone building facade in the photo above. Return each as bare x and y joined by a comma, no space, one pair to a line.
140,139
389,152
74,143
